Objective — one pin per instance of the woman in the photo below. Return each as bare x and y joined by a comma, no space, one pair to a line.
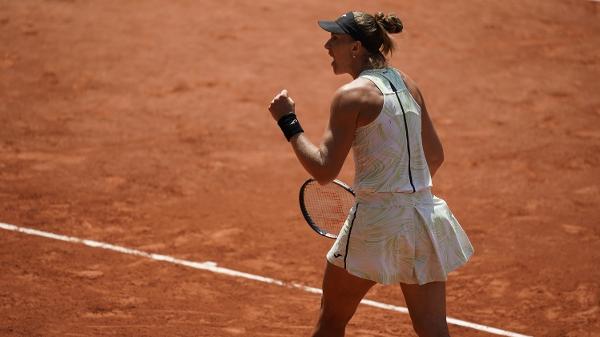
397,232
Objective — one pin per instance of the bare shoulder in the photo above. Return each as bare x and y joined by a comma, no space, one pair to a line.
357,94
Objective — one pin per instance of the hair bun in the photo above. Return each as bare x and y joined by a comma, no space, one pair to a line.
391,23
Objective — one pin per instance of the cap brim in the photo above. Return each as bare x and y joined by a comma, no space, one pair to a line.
332,27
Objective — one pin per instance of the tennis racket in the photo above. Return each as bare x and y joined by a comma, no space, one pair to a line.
325,207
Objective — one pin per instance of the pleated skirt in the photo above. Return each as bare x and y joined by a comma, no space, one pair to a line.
395,238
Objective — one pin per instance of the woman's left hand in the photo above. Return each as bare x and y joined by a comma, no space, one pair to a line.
281,105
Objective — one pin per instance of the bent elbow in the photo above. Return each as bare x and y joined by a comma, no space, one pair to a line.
325,178
324,181
437,157
440,158
327,170
435,160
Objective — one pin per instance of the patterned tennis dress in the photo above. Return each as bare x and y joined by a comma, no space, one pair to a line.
397,231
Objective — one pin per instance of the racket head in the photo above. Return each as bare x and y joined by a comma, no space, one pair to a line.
326,207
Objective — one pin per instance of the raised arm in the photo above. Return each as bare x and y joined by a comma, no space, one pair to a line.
325,161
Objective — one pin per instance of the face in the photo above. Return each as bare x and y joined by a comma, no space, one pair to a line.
341,47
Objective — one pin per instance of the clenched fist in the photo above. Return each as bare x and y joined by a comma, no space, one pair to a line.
281,105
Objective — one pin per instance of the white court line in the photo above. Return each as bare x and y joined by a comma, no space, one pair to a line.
212,266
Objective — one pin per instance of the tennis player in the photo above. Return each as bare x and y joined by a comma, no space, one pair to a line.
397,232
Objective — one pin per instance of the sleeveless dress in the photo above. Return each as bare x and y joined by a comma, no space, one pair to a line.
397,231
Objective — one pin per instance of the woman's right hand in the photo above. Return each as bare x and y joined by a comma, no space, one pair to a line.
281,105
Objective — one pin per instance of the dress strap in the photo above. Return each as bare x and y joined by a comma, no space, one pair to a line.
382,77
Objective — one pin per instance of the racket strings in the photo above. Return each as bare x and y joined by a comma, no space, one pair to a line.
328,205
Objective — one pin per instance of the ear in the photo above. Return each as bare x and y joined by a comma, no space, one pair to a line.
356,46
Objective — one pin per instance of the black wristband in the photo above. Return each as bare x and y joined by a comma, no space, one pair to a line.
290,125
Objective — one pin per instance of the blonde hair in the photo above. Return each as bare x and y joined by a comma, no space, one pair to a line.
377,29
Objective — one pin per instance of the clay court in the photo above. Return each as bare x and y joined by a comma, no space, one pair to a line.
144,124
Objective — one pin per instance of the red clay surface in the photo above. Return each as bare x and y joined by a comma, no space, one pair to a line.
144,124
